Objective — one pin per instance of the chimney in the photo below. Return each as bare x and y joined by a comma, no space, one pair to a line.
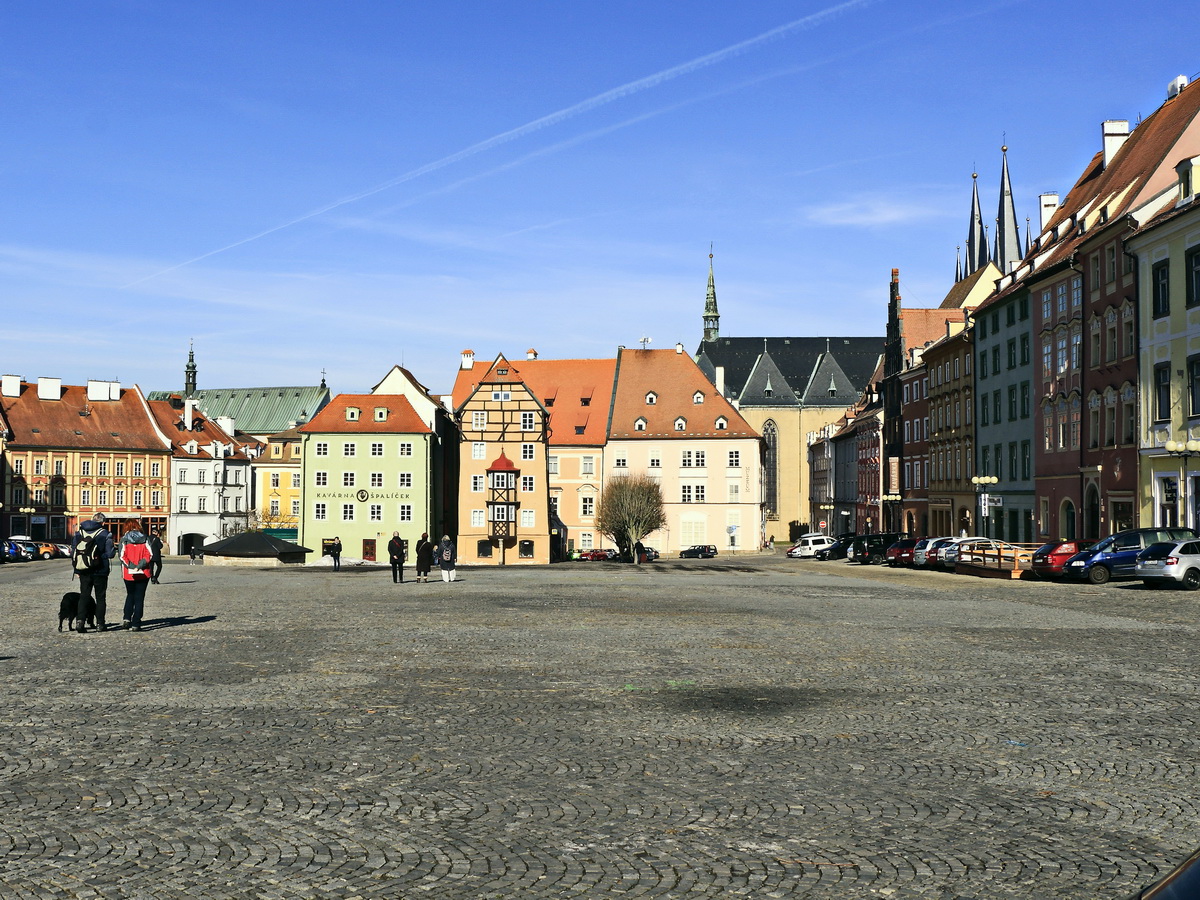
1116,132
10,385
97,390
1048,203
226,424
1176,85
679,348
49,388
719,374
468,359
189,413
531,353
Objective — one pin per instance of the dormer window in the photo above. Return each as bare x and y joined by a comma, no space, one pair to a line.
352,414
680,424
651,398
722,423
191,447
698,397
1186,170
380,414
639,425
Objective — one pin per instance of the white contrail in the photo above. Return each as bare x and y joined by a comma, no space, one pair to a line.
617,93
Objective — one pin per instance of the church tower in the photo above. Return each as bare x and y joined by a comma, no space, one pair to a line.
712,318
189,375
1008,235
977,245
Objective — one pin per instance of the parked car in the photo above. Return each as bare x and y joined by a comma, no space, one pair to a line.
44,550
809,544
1180,883
18,551
64,550
1116,555
901,552
8,551
594,555
871,549
921,552
29,549
945,555
1049,559
651,554
1170,562
838,549
698,551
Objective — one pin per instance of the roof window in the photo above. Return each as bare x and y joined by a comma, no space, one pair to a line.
352,414
722,423
698,397
651,398
680,424
381,414
640,424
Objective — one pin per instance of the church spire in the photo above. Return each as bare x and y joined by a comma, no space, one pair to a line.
958,272
712,318
189,374
977,248
1008,235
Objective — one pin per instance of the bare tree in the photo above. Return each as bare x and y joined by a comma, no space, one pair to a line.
631,507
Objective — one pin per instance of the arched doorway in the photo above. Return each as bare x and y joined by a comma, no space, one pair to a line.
964,520
1091,513
1066,520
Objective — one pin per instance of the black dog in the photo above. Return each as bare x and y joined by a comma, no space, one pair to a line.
69,611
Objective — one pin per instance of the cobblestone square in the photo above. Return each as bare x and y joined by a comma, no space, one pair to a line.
757,727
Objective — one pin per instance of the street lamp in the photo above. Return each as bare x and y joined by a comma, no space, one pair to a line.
1184,450
981,483
826,511
892,519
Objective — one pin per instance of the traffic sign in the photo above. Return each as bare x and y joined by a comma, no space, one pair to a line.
822,524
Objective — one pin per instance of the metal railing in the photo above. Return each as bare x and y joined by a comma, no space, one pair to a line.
988,553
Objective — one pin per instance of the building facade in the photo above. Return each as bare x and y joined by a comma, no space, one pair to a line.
366,461
952,497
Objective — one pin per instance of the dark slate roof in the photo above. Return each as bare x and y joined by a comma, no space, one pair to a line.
829,385
797,358
253,544
260,410
767,386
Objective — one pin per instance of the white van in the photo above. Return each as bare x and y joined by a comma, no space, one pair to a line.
809,544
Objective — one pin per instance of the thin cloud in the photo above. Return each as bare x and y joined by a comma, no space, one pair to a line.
618,93
873,212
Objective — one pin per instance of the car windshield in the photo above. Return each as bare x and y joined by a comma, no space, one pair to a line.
1103,546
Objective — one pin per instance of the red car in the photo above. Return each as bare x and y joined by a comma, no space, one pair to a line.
1048,559
596,555
901,552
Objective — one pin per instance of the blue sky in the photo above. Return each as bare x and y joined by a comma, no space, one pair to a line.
299,186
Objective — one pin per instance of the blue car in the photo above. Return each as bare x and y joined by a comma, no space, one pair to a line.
10,552
1116,556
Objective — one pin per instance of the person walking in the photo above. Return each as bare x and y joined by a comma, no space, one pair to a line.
447,556
396,555
156,549
91,549
192,555
136,565
424,557
335,550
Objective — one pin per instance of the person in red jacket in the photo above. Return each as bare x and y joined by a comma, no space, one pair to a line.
136,563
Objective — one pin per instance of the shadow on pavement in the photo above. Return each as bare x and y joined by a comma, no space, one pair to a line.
173,621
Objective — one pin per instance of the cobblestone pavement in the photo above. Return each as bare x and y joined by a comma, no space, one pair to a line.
758,727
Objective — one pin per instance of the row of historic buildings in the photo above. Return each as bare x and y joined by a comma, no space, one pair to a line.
1055,393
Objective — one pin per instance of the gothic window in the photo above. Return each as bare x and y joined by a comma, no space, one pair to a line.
771,468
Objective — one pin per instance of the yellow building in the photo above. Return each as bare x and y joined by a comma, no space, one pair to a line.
277,479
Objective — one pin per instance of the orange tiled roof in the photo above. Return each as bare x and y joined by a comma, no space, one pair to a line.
401,417
674,378
75,423
924,326
575,392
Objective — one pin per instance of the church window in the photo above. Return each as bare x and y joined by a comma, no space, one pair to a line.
770,435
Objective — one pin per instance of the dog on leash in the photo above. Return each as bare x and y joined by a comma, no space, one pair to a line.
69,611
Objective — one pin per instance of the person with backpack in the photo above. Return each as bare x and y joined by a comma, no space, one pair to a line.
447,556
136,565
91,549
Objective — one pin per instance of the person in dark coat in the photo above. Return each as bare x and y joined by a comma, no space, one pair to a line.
424,557
447,556
156,548
95,579
396,555
335,550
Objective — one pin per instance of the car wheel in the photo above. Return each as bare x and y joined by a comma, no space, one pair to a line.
1099,575
1191,580
47,556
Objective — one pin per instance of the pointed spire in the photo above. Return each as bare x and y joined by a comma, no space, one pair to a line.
958,272
977,249
712,318
1028,239
1008,237
189,374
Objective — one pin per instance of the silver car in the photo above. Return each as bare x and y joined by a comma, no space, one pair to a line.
1170,562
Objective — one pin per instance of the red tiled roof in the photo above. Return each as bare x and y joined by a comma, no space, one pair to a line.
924,326
675,379
204,431
563,386
76,423
502,464
401,417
